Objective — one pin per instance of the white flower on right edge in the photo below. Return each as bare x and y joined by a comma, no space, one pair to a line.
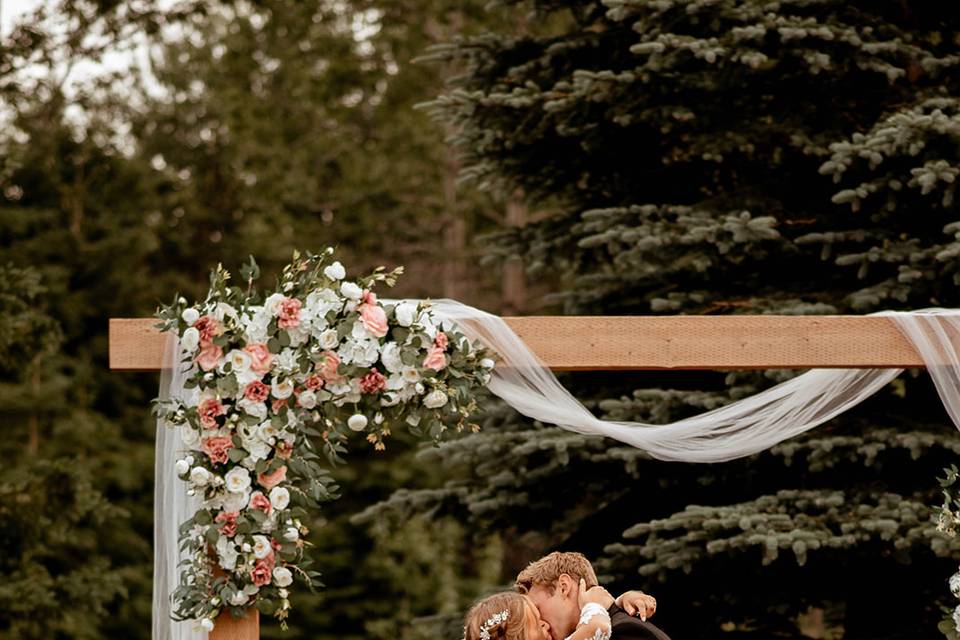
435,399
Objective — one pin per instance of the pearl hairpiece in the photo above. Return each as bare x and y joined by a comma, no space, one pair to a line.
492,621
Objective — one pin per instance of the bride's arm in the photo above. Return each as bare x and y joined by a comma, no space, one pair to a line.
637,603
594,621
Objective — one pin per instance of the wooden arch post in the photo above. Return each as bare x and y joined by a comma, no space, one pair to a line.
585,343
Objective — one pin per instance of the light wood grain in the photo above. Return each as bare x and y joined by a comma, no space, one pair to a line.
585,343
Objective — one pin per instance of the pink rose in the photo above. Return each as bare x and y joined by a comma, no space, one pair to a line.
260,501
260,357
276,404
374,318
256,391
328,370
435,359
208,327
270,480
261,572
289,313
209,409
373,382
229,520
441,340
216,448
313,382
209,357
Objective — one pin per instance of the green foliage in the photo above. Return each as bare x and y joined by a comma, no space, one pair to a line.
704,157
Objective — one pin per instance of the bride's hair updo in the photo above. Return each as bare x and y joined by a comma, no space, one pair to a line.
488,614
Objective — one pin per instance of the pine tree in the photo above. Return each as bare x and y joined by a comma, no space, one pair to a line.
716,157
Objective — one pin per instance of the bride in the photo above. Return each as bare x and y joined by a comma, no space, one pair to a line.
513,616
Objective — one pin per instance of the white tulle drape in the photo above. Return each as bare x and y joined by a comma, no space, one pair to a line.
739,429
171,504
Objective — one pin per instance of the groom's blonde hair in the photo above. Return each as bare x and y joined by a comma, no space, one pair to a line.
547,570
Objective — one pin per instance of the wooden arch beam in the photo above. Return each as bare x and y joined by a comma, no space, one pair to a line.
591,343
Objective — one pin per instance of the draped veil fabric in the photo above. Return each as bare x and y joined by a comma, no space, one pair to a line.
739,429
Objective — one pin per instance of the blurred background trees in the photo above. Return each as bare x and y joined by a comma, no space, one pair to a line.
667,157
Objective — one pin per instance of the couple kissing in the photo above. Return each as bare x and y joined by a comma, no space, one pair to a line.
558,598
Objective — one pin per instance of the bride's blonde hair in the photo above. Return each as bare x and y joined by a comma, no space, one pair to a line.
489,614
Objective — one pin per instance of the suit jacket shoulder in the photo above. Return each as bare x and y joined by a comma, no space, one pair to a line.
627,627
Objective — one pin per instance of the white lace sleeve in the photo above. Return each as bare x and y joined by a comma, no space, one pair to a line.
587,613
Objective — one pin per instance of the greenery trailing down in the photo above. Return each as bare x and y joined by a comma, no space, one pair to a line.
718,157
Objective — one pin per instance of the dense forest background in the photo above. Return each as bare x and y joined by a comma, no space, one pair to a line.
623,157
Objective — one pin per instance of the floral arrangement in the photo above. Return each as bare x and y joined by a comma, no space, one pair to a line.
272,383
948,521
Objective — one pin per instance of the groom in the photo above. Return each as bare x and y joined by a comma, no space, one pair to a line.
553,582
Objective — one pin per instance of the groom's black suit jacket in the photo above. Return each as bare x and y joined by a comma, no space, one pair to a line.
627,627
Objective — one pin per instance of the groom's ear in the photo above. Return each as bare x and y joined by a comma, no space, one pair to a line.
566,585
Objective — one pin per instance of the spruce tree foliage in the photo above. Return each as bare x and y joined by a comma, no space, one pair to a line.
56,580
720,156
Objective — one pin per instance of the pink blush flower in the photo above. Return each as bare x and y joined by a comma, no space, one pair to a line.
217,448
208,327
209,409
289,313
328,370
256,391
229,520
373,382
313,382
260,501
435,359
270,480
374,319
441,340
209,356
260,357
260,574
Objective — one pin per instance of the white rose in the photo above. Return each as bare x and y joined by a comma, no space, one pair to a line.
308,399
239,361
207,624
351,290
335,271
190,340
378,418
266,430
227,553
281,390
200,476
272,303
405,312
261,547
239,599
279,498
291,534
390,357
410,375
419,388
435,399
190,315
236,501
259,450
256,409
238,480
487,363
182,467
329,339
357,422
282,577
426,320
